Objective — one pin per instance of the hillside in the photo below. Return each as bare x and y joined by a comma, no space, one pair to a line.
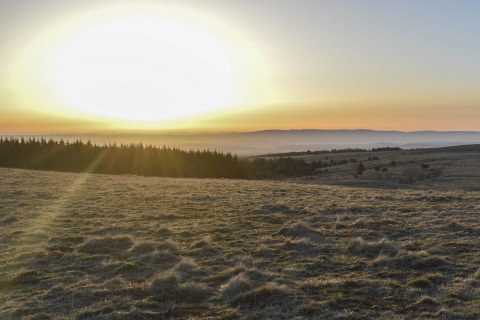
456,167
86,246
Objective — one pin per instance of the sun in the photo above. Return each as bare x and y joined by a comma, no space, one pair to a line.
143,65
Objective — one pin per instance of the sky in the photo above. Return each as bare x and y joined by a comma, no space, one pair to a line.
228,65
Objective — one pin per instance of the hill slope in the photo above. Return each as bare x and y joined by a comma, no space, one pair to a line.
456,167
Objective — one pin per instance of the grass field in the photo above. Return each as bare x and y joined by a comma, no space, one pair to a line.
446,168
80,246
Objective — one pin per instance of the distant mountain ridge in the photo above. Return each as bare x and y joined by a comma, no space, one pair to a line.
275,141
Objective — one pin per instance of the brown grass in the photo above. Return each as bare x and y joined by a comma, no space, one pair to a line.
127,247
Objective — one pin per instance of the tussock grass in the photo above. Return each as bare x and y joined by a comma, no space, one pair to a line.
170,246
303,246
371,249
411,260
143,247
165,284
131,269
106,245
359,224
160,258
425,303
300,229
127,247
203,243
236,286
204,247
473,281
187,267
168,286
267,294
229,273
420,283
164,231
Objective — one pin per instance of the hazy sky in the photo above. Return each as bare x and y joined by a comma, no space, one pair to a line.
239,65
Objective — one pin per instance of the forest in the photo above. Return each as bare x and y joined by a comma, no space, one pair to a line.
137,159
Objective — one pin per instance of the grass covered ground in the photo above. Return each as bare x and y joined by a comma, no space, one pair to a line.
436,168
79,246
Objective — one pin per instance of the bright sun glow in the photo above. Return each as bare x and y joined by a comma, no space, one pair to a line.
143,66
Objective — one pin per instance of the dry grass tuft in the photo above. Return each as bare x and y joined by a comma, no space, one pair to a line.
187,267
143,247
168,286
270,293
473,281
160,258
235,287
204,247
165,284
169,245
359,224
106,245
164,231
229,273
303,246
425,303
383,247
411,260
420,283
203,243
300,229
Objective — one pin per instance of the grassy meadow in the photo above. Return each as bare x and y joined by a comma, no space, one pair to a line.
90,246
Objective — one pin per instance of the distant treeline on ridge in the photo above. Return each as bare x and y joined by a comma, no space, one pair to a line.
317,152
137,159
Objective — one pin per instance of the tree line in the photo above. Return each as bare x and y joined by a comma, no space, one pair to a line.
317,152
137,159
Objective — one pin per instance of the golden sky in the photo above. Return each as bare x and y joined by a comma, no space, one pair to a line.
238,65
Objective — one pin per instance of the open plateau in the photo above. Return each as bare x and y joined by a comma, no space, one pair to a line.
400,243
